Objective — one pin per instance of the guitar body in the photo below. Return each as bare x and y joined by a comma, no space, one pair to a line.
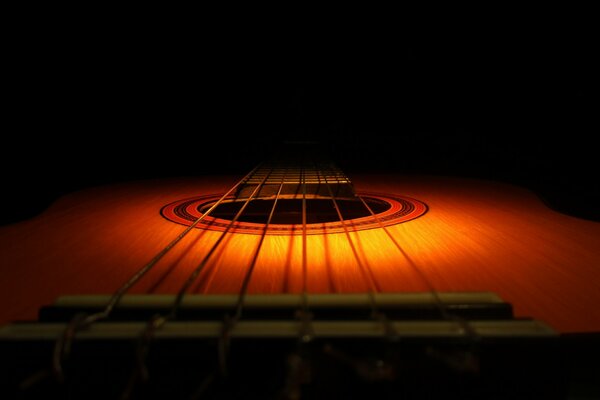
475,236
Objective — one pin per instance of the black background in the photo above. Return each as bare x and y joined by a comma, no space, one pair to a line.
92,100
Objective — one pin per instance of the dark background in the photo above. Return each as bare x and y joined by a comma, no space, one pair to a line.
91,101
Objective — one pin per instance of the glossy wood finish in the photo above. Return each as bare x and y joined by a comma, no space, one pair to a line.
476,236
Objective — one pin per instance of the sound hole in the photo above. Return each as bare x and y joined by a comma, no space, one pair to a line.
289,211
322,217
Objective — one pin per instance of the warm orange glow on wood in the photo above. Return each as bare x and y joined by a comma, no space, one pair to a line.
476,236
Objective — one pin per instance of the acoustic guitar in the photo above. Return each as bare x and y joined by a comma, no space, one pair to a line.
296,281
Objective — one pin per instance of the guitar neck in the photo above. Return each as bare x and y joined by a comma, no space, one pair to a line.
298,171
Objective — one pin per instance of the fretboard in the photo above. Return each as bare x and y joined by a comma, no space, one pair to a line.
298,172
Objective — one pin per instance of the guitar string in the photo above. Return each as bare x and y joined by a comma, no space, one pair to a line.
63,343
367,273
136,277
440,305
291,389
365,269
245,283
196,272
158,321
117,296
201,266
306,332
442,308
303,313
229,323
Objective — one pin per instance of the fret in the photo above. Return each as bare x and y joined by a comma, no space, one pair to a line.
293,172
